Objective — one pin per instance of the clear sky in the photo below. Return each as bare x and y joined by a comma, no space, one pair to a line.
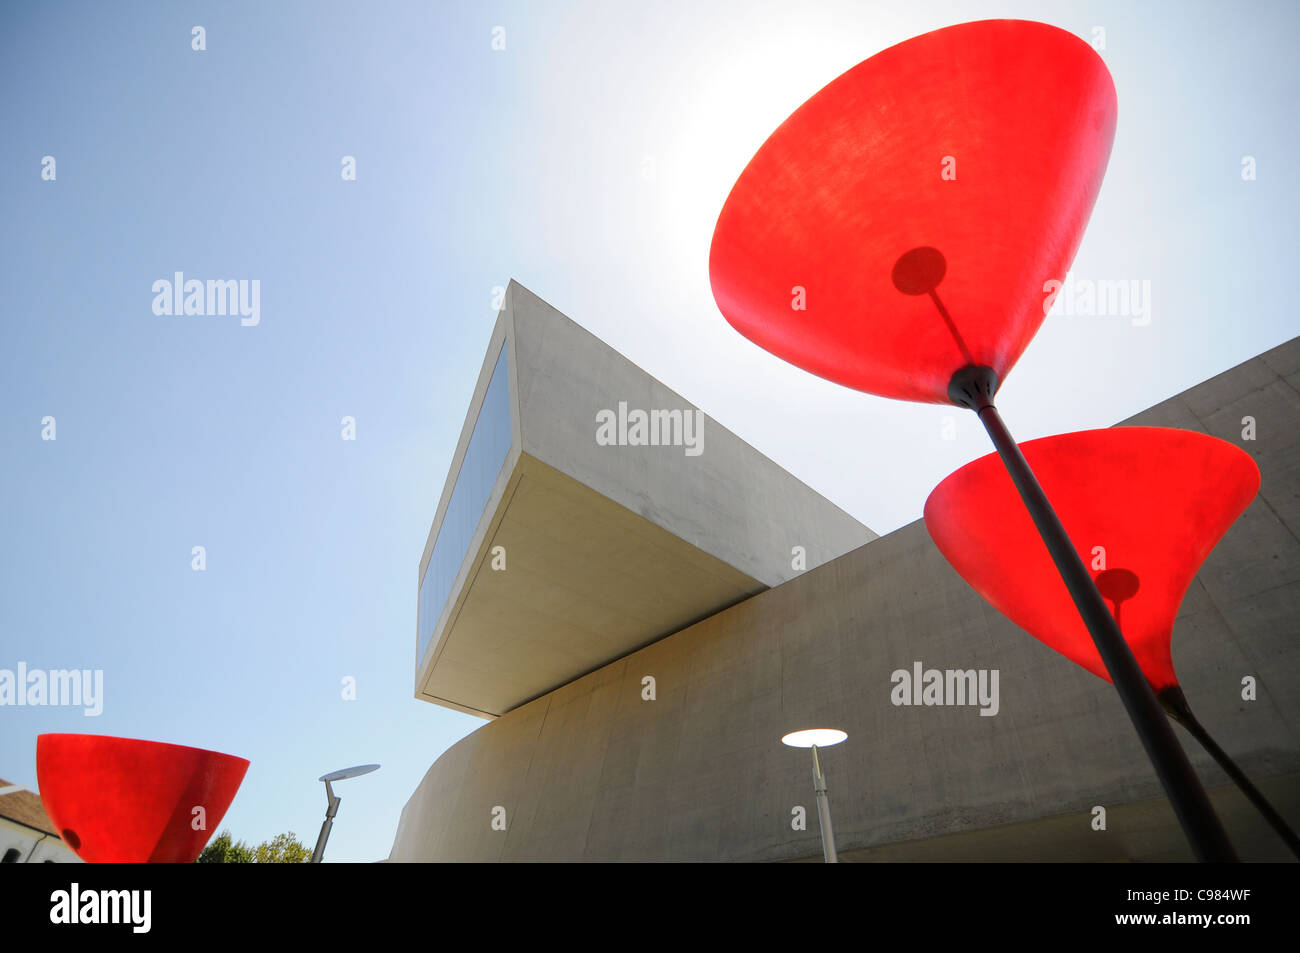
588,159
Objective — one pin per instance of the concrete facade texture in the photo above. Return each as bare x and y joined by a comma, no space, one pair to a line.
606,547
593,771
729,501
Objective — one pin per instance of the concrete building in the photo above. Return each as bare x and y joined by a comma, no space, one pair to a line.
626,568
26,834
589,512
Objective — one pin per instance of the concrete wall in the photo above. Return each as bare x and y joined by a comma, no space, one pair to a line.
593,772
611,547
729,501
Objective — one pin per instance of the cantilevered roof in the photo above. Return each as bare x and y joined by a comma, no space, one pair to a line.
589,511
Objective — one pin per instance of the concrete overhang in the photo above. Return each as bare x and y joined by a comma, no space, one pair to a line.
588,512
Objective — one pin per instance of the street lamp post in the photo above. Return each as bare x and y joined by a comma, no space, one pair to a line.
813,738
333,803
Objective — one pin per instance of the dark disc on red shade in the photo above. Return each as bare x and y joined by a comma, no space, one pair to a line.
919,271
1118,585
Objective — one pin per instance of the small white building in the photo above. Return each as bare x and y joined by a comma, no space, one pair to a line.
26,834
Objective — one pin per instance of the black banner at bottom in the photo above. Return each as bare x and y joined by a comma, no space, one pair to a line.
332,901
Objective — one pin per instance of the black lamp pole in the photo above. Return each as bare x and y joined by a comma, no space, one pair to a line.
1175,703
973,387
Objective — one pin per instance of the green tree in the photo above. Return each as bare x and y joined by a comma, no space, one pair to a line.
226,850
280,849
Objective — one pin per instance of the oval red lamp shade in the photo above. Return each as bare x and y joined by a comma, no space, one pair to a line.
120,800
921,201
1156,500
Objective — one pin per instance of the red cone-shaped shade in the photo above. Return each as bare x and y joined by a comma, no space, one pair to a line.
118,800
1157,500
952,174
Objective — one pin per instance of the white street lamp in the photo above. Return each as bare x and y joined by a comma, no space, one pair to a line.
815,738
334,803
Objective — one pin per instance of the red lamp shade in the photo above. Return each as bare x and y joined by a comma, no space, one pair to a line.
1156,500
119,800
921,201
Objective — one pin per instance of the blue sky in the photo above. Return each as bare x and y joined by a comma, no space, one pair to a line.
588,159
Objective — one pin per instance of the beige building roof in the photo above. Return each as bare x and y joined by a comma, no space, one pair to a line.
25,808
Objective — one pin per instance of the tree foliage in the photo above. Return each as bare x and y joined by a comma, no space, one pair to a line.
281,849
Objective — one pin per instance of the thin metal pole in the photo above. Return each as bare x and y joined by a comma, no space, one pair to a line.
824,812
1175,702
325,828
1200,823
